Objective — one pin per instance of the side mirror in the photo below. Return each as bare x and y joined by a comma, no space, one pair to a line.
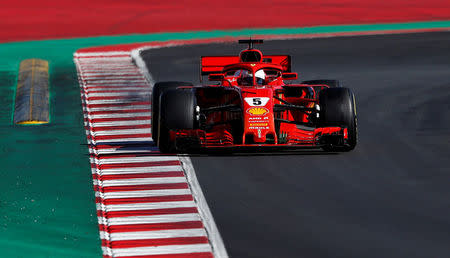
216,77
290,76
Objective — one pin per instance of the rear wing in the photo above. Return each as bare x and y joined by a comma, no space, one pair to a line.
215,64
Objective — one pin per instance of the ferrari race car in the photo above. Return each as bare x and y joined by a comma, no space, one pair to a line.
252,106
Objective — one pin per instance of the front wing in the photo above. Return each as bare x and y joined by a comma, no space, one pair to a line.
293,137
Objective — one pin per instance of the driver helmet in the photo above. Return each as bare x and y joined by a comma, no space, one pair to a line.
246,78
260,77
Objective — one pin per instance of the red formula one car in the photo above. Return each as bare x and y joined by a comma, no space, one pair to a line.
252,106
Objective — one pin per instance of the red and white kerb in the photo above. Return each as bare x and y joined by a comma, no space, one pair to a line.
148,205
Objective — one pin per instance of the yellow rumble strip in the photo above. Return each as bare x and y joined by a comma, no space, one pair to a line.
32,94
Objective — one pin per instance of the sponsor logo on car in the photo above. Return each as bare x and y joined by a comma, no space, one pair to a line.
258,128
259,124
252,118
257,111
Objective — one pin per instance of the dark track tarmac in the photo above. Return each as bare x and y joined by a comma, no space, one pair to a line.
390,197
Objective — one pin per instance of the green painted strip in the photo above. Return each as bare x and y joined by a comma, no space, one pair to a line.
136,38
47,198
47,201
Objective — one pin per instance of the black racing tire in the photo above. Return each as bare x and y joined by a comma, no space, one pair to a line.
338,108
158,89
176,111
330,83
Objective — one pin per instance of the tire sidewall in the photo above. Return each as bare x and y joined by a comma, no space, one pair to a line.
158,89
176,111
338,109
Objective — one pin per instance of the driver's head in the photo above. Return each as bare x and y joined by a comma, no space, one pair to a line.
260,77
246,78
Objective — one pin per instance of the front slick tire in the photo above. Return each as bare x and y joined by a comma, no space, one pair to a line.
338,109
158,89
176,111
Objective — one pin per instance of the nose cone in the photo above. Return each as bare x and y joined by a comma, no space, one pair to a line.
258,116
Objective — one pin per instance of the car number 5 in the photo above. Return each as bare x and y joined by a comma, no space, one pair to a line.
257,101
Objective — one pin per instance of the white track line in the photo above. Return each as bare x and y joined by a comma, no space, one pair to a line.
148,206
116,115
112,108
102,54
142,193
141,170
155,219
118,94
123,132
156,235
135,159
140,139
123,150
157,250
119,123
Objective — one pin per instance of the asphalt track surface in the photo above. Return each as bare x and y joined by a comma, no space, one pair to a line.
390,197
